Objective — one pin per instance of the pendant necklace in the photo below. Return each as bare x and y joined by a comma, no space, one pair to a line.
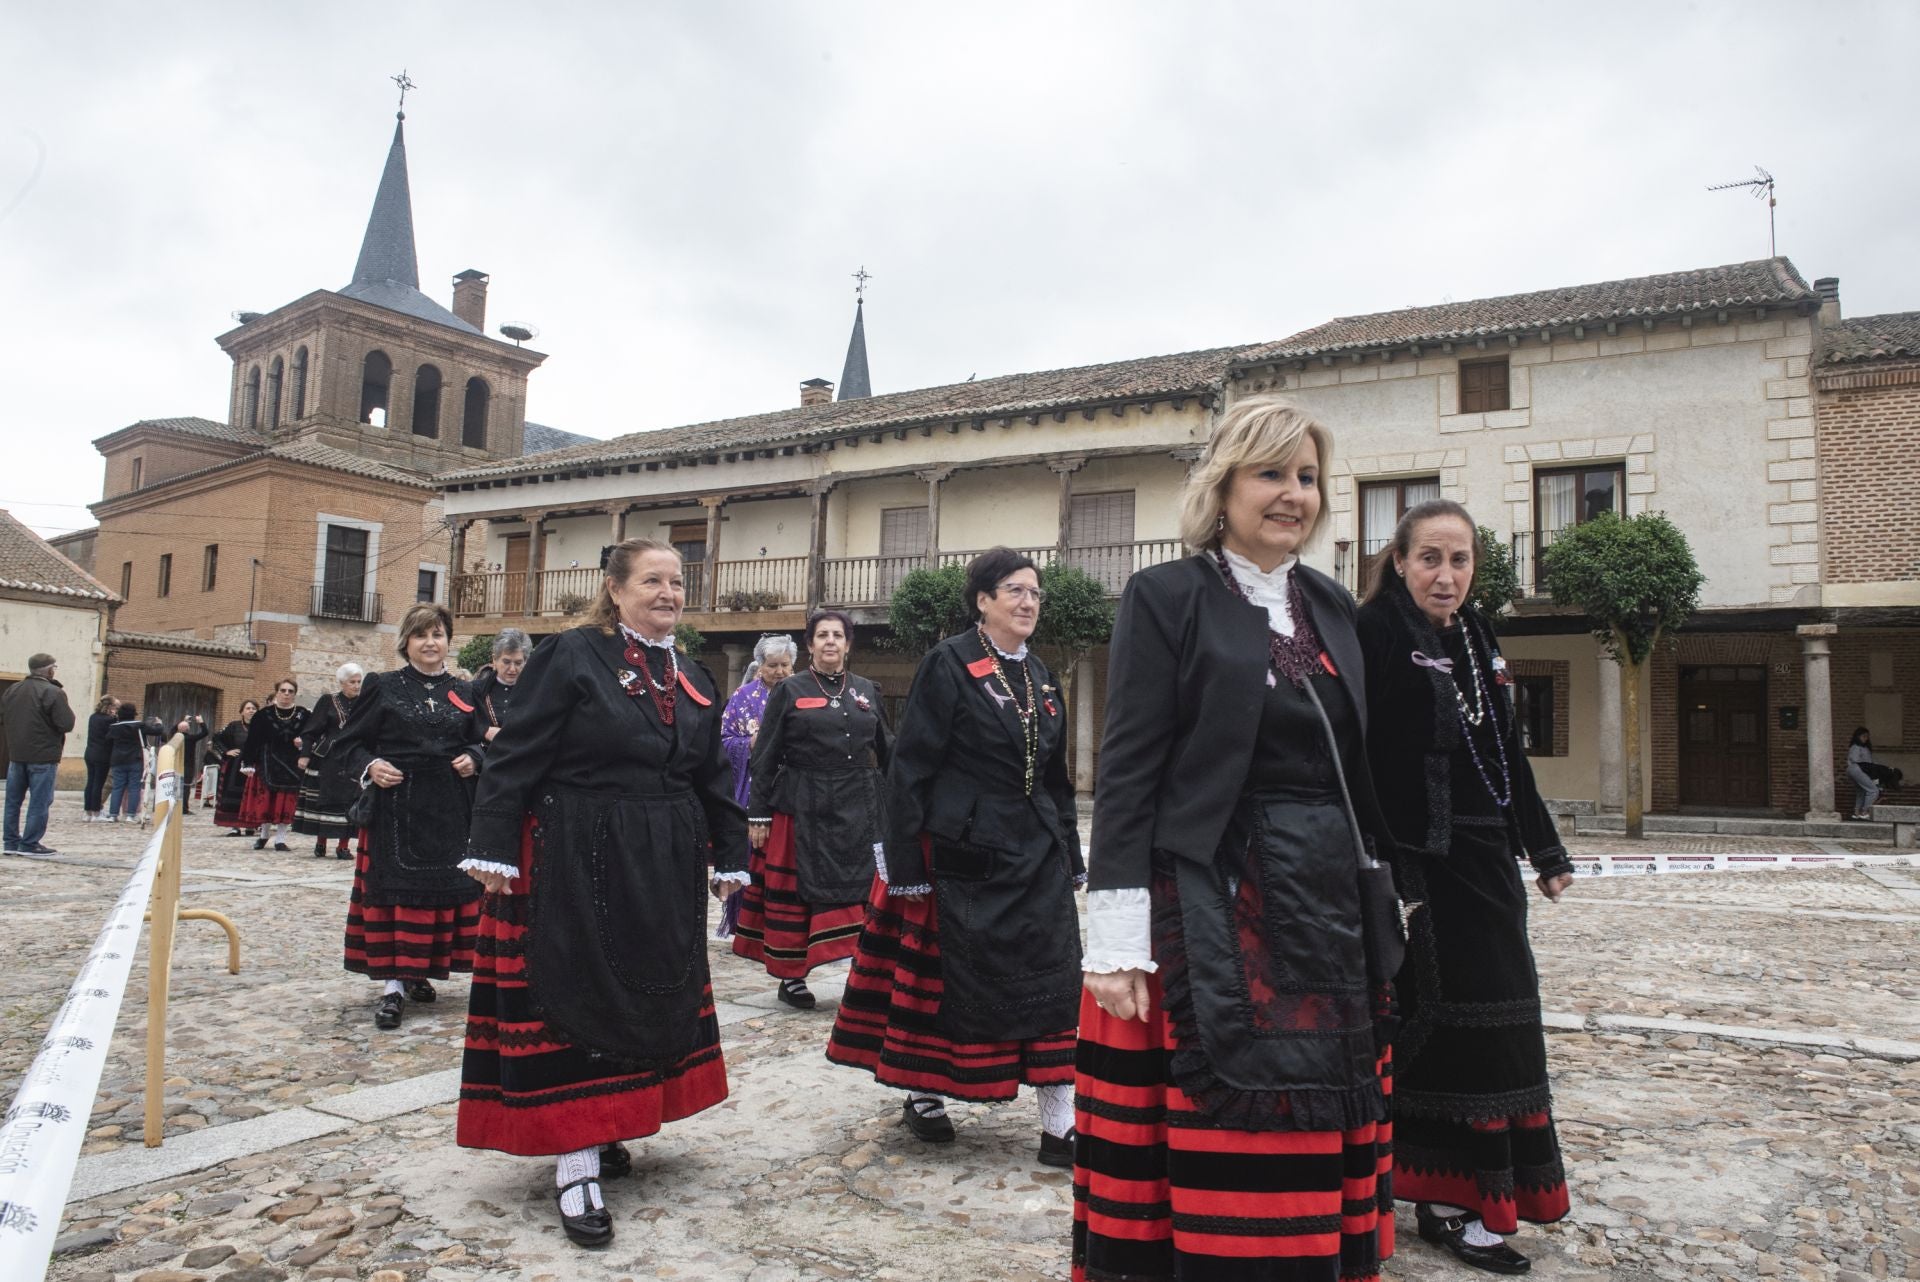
664,695
1029,723
831,696
1471,719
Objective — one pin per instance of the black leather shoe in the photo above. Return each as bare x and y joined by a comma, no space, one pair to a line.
320,851
594,1226
343,853
387,1013
281,845
1451,1231
615,1162
260,843
419,990
937,1129
795,993
1057,1150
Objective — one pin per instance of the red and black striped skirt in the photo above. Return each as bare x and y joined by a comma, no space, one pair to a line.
778,928
888,1022
1160,1192
525,1089
390,941
1506,1169
260,804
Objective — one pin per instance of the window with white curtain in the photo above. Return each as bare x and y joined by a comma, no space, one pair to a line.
1383,503
1564,497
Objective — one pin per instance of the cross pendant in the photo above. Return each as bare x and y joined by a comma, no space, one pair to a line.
430,703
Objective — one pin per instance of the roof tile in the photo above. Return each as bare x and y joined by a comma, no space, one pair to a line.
29,564
1894,336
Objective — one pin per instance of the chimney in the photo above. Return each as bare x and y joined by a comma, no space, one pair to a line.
816,391
1828,287
470,298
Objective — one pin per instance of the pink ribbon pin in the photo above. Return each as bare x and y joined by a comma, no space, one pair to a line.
1438,665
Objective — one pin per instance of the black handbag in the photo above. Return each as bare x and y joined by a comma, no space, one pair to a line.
1385,933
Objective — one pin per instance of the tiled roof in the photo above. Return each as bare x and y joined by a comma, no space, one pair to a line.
29,564
182,645
1189,372
317,455
193,426
1764,282
540,438
1894,336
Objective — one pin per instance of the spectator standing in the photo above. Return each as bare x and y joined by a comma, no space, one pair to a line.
127,764
97,753
37,720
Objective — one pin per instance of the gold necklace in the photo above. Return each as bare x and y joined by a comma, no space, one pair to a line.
1029,722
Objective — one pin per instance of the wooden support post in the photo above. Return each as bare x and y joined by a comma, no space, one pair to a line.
712,593
935,477
1063,539
817,547
617,527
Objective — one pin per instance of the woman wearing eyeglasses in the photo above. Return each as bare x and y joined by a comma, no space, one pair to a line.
814,814
966,981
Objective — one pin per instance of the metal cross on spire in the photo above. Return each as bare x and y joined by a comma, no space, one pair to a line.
405,84
860,279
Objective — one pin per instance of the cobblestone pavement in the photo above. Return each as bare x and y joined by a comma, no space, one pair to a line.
1778,1148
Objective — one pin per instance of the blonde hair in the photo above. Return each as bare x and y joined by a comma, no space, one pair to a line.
1257,430
604,614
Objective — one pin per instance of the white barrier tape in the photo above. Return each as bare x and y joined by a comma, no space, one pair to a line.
40,1140
1646,865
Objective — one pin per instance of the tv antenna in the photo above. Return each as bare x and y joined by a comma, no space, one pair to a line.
520,333
1761,184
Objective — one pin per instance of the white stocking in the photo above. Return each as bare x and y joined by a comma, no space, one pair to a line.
1476,1231
394,988
1056,1108
939,1104
578,1166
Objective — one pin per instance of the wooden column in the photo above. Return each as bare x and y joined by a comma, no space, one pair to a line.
534,597
617,523
1063,540
817,547
934,477
457,564
712,593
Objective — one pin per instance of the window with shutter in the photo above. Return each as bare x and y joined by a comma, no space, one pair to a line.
1100,541
903,546
1483,386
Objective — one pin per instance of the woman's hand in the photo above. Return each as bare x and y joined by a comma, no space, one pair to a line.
233,752
721,889
385,775
1123,994
491,731
1555,886
296,738
757,835
497,883
464,767
303,762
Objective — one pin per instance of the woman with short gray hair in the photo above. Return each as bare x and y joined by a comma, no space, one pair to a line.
493,685
773,659
325,794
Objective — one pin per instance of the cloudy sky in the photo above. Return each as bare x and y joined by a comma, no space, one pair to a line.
677,194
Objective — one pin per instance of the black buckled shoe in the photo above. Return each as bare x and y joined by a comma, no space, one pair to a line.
387,1013
615,1162
419,990
1451,1231
928,1120
795,993
260,843
1057,1150
592,1227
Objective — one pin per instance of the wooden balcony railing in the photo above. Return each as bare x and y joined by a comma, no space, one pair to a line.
776,583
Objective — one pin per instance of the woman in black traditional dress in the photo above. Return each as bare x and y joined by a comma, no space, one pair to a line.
495,684
271,762
1233,1071
1475,1149
606,796
966,979
413,914
327,792
816,816
231,744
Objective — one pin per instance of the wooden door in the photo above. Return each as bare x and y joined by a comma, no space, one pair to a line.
513,588
1723,737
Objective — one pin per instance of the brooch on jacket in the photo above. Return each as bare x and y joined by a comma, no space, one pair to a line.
860,702
1500,675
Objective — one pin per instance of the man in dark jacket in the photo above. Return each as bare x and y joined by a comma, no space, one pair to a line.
36,718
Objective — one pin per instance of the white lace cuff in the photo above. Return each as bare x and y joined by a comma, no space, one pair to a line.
487,865
1119,936
734,878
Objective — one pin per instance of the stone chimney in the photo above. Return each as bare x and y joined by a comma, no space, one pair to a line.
470,298
816,391
1828,287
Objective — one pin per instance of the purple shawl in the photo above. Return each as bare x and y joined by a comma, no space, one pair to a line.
737,726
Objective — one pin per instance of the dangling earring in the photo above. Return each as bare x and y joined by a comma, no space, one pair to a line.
1220,523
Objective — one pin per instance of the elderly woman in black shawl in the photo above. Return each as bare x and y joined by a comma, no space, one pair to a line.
1474,1143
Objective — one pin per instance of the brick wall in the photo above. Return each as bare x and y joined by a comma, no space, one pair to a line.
1869,436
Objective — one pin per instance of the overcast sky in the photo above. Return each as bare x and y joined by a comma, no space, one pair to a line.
677,194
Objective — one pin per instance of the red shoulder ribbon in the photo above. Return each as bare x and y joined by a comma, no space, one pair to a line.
454,698
1327,663
810,703
692,693
980,668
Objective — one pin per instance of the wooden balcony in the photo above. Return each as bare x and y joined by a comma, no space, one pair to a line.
765,592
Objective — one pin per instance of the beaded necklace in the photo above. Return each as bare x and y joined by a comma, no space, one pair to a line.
1470,719
664,695
831,696
1027,712
1296,657
1478,712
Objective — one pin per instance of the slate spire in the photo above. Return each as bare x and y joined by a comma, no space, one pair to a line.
386,253
854,382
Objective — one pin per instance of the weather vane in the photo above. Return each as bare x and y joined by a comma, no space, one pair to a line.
405,84
1762,185
860,279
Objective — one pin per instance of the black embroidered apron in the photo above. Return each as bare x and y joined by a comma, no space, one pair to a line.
419,831
1009,942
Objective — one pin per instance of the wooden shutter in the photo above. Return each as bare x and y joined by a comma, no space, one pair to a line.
903,531
1483,386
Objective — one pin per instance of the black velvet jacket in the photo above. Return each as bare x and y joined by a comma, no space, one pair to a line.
574,726
1186,678
269,748
958,769
491,698
329,714
1416,732
800,730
